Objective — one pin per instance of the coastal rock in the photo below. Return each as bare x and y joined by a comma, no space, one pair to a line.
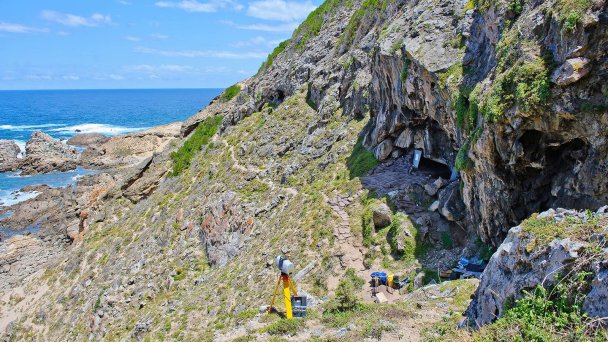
9,152
130,149
43,154
88,139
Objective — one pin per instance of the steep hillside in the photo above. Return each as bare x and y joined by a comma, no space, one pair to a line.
510,96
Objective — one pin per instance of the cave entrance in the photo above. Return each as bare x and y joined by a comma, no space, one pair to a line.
544,164
434,169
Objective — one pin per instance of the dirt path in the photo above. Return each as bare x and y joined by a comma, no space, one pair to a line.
351,252
249,169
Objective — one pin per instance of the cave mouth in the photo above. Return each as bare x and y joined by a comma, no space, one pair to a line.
558,162
434,168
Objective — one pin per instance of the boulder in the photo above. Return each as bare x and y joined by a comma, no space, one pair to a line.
9,152
43,154
382,216
405,139
571,71
88,139
384,149
450,203
432,188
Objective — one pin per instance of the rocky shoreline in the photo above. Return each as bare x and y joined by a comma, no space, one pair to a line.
56,215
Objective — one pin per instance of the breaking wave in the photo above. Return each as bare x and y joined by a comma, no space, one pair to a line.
96,128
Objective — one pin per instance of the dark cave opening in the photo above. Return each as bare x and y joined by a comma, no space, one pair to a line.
543,163
434,168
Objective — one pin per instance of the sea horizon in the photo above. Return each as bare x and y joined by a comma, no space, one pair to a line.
63,113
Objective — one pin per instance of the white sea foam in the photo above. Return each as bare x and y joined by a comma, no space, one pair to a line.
21,145
11,198
20,128
97,128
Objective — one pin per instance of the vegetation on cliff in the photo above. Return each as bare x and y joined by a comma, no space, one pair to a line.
199,138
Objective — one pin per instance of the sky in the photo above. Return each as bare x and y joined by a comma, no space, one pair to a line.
107,44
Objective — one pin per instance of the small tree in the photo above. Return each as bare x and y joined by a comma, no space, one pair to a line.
346,299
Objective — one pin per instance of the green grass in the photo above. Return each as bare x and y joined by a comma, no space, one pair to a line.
541,231
368,7
311,26
230,92
180,274
360,161
270,59
289,327
182,158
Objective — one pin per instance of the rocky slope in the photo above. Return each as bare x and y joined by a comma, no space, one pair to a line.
168,252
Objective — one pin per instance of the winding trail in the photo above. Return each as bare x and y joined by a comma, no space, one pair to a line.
350,252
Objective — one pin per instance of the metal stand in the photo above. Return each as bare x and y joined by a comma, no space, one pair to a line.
287,287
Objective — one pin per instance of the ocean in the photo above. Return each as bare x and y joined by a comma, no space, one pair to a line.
64,113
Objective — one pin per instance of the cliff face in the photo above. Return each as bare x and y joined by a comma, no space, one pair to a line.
511,95
516,87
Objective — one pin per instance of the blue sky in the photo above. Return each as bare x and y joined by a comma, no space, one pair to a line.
76,44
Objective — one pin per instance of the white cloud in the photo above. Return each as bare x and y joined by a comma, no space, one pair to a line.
109,77
203,53
146,68
124,2
256,41
17,28
70,77
132,38
196,6
287,11
39,77
288,27
72,20
159,36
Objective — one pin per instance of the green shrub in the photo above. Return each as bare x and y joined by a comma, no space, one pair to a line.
405,70
570,13
289,327
182,158
401,220
463,162
346,298
547,315
360,161
461,106
246,315
516,6
354,278
526,85
367,226
541,231
446,240
231,92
